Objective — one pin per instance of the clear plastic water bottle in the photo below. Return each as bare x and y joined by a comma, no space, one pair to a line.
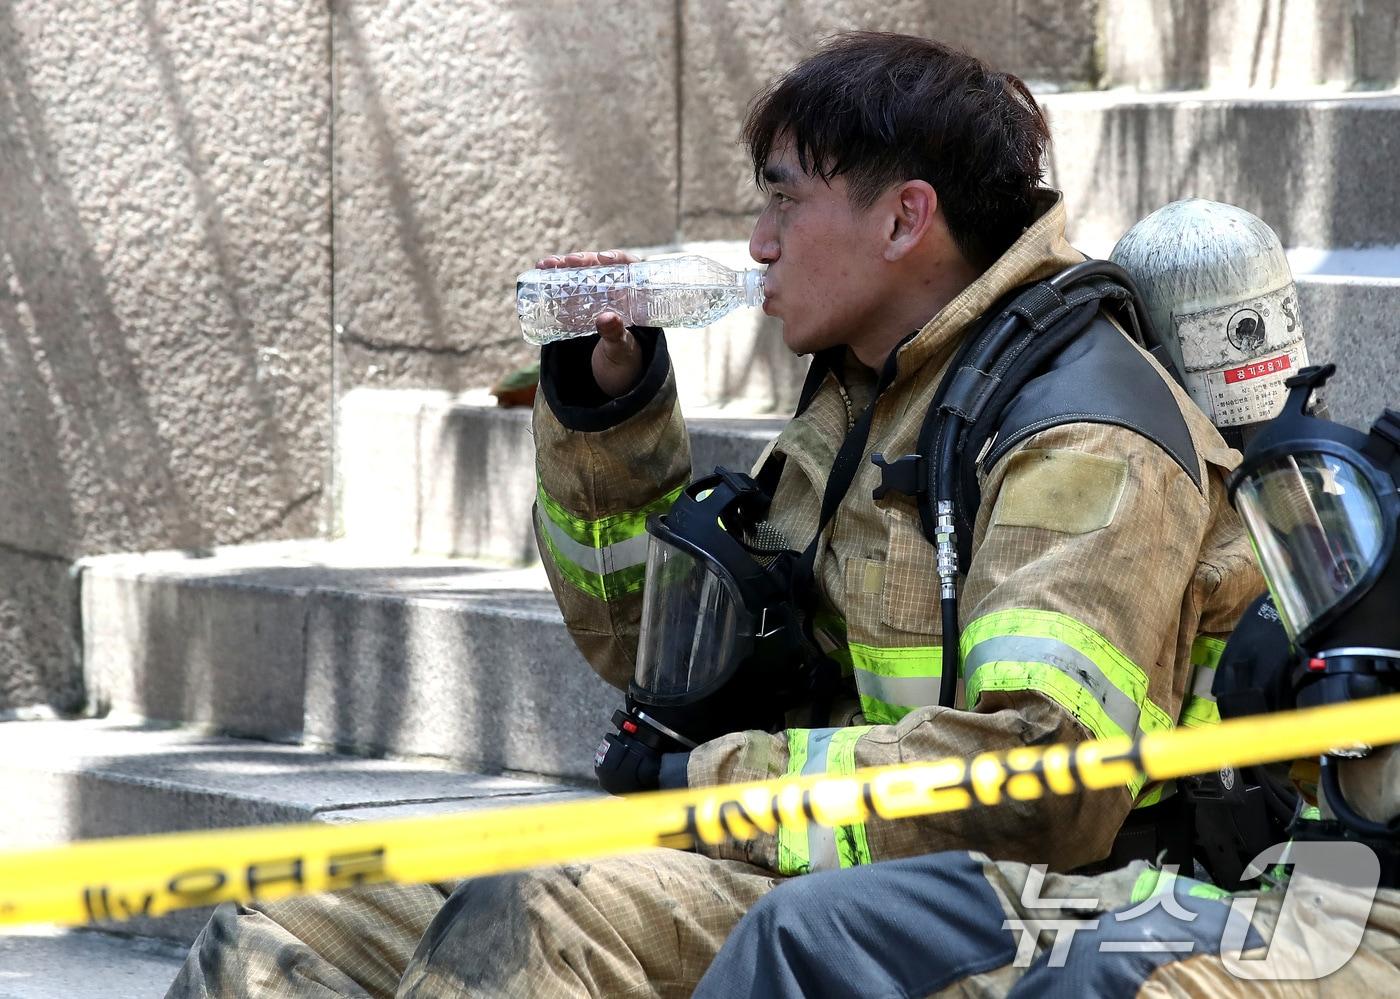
556,303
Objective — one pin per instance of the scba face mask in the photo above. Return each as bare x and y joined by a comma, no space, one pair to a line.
1320,502
1322,507
717,592
720,648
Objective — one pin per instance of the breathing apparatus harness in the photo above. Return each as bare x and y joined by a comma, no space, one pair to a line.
777,661
1321,502
991,368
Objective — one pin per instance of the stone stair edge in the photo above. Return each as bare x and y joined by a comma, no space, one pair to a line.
202,756
259,566
75,792
1283,97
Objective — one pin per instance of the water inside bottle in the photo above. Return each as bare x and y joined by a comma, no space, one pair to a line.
692,306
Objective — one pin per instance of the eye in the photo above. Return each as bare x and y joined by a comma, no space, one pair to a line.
780,198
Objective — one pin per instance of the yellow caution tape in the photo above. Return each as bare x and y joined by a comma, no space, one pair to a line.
123,877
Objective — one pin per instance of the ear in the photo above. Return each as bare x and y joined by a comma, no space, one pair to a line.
912,207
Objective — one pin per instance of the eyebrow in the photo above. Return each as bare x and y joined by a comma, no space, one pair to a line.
778,175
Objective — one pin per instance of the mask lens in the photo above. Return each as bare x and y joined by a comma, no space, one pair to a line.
690,617
1317,529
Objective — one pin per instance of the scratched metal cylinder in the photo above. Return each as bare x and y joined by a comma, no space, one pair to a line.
1216,284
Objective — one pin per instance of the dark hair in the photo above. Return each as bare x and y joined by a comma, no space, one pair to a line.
883,108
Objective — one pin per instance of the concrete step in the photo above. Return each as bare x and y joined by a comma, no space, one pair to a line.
1320,170
1352,316
53,963
74,780
322,643
1187,44
433,472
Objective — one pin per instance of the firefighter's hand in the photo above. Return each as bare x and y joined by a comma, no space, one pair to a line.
617,360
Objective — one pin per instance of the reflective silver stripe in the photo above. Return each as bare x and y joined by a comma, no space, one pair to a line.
908,691
601,561
821,840
1119,707
1201,683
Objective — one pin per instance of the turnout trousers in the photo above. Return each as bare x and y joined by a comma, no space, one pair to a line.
644,925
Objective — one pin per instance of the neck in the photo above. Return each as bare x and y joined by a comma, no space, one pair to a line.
915,300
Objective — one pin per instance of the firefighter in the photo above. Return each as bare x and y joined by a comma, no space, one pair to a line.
1322,505
1101,571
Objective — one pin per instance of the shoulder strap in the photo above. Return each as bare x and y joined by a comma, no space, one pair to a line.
1030,325
1085,371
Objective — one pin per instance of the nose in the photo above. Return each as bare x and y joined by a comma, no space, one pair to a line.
763,243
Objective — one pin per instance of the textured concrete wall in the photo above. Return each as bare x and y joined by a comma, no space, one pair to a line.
164,293
472,138
1320,172
1261,44
734,48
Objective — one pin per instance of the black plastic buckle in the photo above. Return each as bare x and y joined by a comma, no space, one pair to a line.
904,476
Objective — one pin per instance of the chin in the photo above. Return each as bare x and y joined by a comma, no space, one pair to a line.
794,342
804,342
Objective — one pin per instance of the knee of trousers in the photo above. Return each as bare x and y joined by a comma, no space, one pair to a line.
492,929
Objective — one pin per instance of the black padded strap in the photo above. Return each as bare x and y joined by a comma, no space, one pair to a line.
968,392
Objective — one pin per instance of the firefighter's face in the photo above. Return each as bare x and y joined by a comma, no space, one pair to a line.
823,280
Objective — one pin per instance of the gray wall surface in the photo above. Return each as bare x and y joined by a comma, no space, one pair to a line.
218,216
473,137
164,293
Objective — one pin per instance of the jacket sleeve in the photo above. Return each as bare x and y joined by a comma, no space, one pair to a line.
1084,566
602,465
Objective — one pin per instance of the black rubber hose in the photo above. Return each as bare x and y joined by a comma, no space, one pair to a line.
948,683
1350,817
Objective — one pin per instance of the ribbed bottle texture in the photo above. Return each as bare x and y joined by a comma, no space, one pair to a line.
556,303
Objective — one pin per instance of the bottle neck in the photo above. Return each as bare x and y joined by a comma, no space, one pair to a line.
751,283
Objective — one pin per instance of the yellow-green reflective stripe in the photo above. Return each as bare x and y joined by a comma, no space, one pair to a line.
1152,882
1056,685
894,681
792,843
1206,651
1154,796
596,561
878,712
852,847
822,751
1199,714
605,530
1114,683
604,587
1200,709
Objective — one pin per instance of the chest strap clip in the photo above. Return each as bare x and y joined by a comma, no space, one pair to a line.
904,476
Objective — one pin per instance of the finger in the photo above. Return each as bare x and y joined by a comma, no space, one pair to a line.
574,258
611,327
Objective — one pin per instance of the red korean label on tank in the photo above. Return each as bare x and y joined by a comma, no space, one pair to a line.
1268,366
1238,355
